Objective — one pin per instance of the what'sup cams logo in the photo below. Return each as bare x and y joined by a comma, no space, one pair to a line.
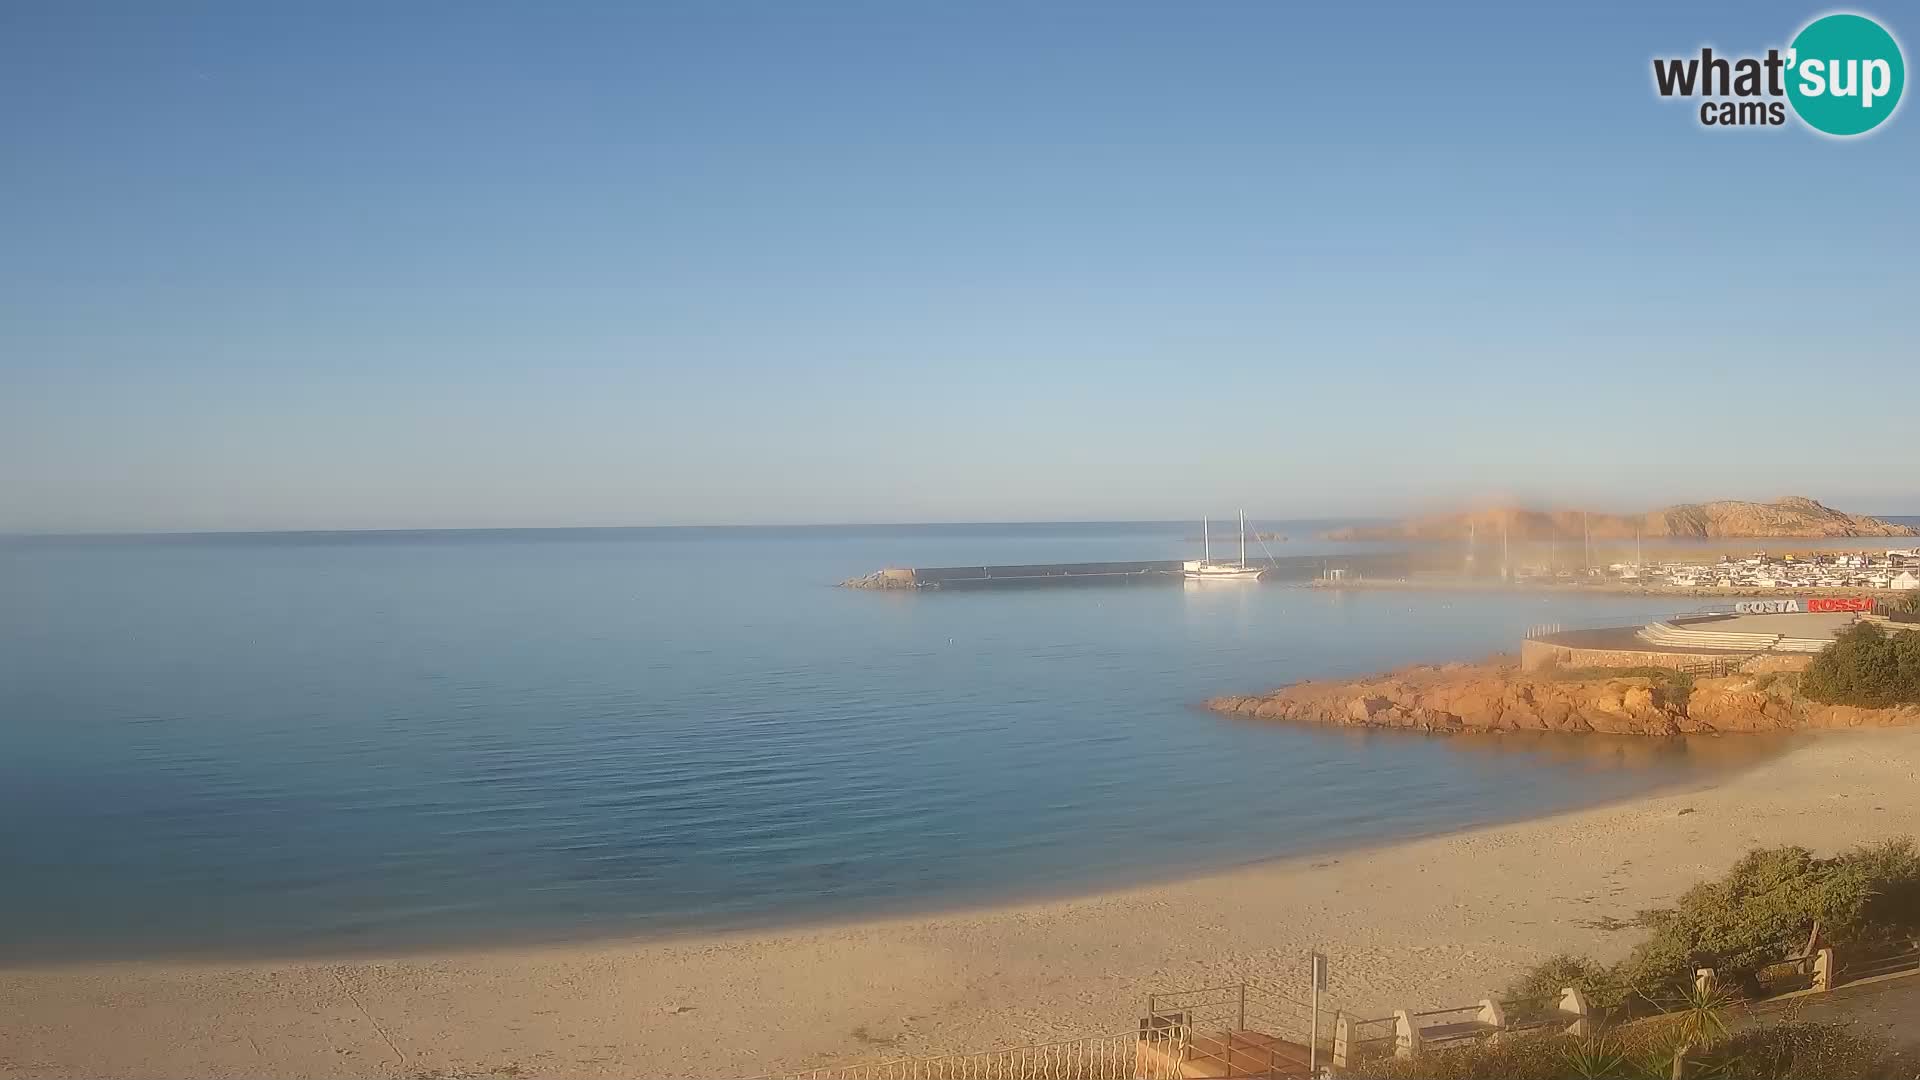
1842,76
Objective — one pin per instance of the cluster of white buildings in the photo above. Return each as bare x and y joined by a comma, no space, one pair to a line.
1893,569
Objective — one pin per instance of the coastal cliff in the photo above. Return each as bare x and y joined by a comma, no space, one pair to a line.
1496,695
1792,517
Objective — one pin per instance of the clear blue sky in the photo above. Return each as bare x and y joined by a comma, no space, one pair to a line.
413,265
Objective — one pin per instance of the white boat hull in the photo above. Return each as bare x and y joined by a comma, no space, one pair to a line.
1205,569
1208,572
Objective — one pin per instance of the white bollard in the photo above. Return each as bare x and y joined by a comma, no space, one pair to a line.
1574,1003
1406,1034
1824,970
1492,1015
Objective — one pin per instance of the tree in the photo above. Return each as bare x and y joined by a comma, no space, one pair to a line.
1868,667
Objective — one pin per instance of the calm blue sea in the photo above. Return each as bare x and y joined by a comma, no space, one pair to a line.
285,743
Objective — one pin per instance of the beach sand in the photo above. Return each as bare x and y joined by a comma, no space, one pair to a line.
1431,922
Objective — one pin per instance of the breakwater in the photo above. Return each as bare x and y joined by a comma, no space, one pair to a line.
1294,568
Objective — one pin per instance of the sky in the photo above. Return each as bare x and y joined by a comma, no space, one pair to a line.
367,265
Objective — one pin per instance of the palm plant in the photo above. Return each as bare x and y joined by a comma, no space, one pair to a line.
1697,1015
1599,1058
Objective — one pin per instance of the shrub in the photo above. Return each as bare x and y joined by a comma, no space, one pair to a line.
1538,991
1762,911
1756,915
1670,684
1825,1051
1792,1051
1868,667
1530,1057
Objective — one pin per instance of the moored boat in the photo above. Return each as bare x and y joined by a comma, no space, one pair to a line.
1205,569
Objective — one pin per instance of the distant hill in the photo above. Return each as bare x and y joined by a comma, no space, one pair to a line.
1790,517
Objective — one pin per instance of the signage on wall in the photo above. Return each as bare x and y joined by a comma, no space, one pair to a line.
1814,604
1840,603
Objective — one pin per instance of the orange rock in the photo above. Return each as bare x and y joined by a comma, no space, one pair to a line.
1497,696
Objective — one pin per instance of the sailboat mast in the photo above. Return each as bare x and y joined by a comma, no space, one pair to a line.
1243,539
1206,539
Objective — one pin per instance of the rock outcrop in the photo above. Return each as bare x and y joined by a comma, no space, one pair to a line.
883,579
1496,695
1788,518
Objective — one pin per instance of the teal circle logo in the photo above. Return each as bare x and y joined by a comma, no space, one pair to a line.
1845,74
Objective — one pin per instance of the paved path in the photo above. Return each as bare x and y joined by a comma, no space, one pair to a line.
1890,1008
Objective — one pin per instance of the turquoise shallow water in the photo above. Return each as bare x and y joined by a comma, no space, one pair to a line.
284,743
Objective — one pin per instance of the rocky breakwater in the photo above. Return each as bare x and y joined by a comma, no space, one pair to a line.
882,579
1497,696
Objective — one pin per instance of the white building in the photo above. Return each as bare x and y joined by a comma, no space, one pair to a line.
1906,579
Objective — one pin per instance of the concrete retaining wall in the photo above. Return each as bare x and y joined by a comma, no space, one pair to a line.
1536,654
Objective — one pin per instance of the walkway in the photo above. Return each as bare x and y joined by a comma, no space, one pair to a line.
1889,1008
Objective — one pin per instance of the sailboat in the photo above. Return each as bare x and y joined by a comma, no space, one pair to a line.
1205,569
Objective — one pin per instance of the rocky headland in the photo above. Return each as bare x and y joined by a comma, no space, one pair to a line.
1793,517
1496,695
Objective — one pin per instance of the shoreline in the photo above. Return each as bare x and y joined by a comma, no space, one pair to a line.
1759,750
1414,923
1606,587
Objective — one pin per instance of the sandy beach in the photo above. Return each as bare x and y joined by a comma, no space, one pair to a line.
1425,923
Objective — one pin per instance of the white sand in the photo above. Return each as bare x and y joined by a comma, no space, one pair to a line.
1433,922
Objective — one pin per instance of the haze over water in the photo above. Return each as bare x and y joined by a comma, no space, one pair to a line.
270,743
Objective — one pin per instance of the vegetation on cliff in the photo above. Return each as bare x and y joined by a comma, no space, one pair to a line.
1790,517
1867,667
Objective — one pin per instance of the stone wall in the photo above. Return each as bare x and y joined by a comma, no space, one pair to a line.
1536,654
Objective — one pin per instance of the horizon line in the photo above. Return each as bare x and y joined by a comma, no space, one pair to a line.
160,534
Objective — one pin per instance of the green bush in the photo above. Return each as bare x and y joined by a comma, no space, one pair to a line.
1670,684
1780,1052
1868,667
1761,912
1538,991
1763,909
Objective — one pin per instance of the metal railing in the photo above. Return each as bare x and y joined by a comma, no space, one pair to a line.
1245,1029
1882,963
1787,976
1249,1005
1132,1055
1365,1040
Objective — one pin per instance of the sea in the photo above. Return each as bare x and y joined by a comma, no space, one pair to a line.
276,744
